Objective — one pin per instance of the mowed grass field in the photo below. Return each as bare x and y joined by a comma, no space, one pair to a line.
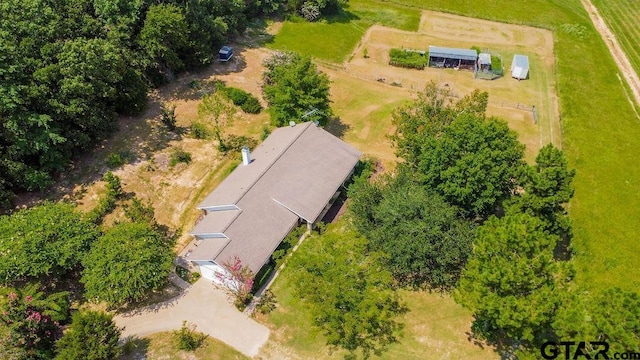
435,326
623,18
600,128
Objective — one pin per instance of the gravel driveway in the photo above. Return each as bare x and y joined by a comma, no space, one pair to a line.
206,307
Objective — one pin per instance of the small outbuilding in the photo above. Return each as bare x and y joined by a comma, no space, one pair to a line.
443,57
484,61
520,67
225,53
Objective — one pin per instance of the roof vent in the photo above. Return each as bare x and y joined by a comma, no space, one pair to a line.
317,123
292,123
246,156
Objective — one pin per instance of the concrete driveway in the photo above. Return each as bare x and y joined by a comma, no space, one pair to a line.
206,307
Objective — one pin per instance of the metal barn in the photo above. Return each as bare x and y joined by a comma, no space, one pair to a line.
443,57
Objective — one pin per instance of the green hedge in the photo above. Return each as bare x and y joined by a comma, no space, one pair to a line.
247,102
408,59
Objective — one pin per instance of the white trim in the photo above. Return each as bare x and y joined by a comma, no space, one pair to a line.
204,236
218,207
288,208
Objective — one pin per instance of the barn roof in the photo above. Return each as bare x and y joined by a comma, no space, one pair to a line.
293,175
521,61
452,53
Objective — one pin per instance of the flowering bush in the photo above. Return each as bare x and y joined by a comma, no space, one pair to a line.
237,282
28,332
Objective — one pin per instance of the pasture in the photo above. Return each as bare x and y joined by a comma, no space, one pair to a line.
599,130
623,18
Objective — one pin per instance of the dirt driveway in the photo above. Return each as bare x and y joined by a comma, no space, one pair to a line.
207,308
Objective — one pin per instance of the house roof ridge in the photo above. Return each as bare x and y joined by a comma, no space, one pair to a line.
275,160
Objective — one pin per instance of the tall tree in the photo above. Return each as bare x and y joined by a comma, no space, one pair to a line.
295,90
547,189
163,36
126,263
473,163
92,336
426,242
512,282
218,111
348,292
46,240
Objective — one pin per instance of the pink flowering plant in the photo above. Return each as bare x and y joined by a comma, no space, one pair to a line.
237,281
27,332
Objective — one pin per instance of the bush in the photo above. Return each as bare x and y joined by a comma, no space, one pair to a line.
92,335
114,160
234,143
108,202
407,59
246,101
251,106
188,338
200,130
267,302
179,156
169,116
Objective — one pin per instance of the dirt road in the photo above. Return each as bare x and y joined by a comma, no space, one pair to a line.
614,46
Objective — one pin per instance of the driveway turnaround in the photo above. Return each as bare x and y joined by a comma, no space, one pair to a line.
206,307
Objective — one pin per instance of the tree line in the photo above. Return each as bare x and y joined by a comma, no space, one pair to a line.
69,67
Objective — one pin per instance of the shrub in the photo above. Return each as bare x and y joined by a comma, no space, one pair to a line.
188,338
407,59
251,106
108,202
235,143
114,160
200,130
92,335
246,101
179,156
267,302
169,116
310,11
477,49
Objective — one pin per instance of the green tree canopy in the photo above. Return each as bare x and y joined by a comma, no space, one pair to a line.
163,36
426,242
512,282
547,189
611,315
348,292
47,240
295,90
127,262
474,163
92,336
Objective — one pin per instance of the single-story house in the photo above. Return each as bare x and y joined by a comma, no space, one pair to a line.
225,53
520,67
290,179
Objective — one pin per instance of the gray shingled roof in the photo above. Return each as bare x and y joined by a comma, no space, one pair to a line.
294,174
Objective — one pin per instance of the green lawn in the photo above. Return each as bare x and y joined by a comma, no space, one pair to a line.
435,326
163,346
334,38
600,128
623,18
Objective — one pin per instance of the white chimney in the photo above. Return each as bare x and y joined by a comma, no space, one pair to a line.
292,123
246,156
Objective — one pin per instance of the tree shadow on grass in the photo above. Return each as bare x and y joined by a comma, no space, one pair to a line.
135,348
342,17
337,127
